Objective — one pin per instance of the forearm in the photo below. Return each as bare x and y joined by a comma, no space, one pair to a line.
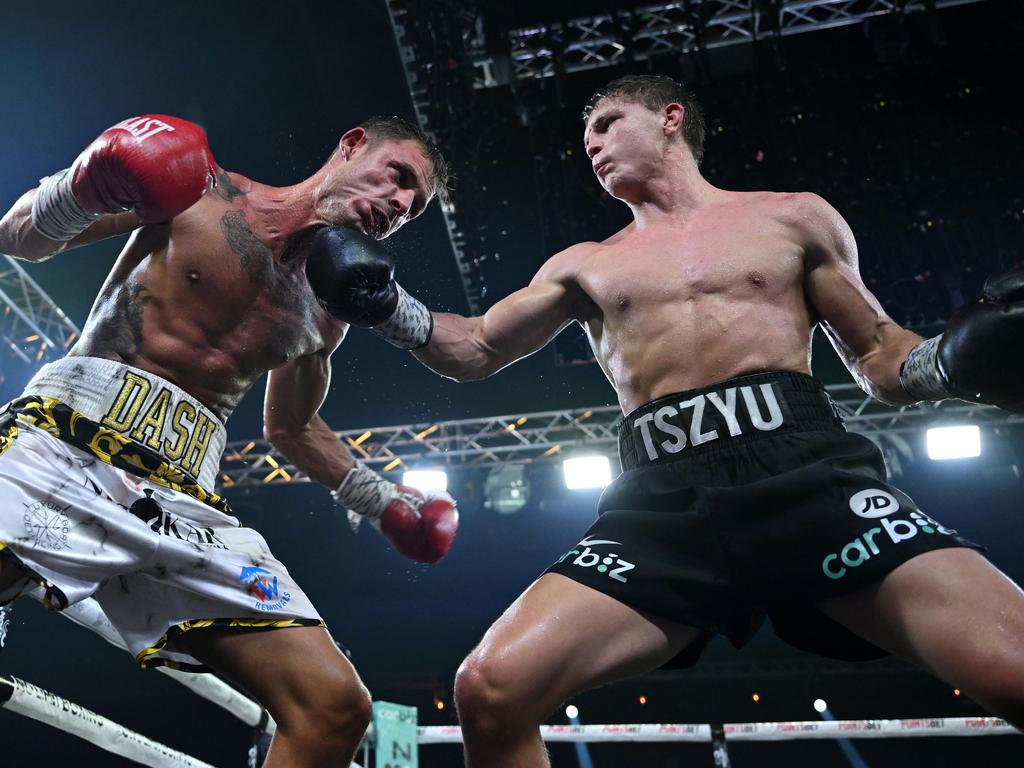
315,450
20,239
879,370
457,349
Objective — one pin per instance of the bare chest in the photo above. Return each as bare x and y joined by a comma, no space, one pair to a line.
714,260
249,295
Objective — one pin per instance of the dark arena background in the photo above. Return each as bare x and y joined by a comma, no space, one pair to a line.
906,115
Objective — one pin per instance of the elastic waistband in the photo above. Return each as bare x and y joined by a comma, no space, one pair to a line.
684,425
139,405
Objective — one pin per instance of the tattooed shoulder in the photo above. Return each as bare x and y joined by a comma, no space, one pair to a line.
255,257
226,189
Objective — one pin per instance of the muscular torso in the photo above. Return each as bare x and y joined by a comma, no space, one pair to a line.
210,301
678,307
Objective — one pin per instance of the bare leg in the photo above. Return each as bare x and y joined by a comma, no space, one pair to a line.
311,690
952,612
557,639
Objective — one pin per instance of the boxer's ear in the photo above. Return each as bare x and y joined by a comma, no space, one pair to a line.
352,142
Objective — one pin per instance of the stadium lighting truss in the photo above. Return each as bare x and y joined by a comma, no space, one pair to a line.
549,436
32,326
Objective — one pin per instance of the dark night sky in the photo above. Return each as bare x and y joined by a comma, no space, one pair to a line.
274,85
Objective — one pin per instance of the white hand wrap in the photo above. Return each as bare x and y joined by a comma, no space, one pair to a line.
364,492
56,213
921,376
409,326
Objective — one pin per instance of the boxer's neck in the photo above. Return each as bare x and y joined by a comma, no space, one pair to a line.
280,212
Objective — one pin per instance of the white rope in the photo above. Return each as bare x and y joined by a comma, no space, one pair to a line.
807,729
34,702
88,613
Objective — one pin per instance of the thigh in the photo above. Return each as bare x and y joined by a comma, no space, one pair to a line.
287,670
950,610
561,637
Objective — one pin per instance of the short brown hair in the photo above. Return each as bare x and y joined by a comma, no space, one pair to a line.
654,92
397,129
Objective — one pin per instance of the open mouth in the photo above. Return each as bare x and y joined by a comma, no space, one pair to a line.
375,223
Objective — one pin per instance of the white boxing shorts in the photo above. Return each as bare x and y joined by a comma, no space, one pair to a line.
104,471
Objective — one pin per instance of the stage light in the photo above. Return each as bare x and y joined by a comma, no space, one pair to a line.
572,711
961,442
956,691
426,479
756,697
642,700
587,472
507,490
820,705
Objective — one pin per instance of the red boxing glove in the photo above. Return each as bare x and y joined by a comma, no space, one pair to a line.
155,165
421,527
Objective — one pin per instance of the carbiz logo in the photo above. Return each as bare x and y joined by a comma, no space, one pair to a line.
586,558
876,504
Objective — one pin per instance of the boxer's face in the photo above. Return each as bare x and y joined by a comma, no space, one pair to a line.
376,185
626,145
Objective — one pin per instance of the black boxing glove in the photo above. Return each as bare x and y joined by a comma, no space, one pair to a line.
980,355
353,276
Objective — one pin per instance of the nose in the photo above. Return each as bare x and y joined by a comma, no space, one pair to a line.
593,147
401,201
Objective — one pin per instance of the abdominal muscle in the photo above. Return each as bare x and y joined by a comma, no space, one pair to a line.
681,345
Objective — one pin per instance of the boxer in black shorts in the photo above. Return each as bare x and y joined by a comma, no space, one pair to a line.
750,499
741,494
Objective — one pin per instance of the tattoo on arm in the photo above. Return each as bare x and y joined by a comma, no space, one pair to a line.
256,258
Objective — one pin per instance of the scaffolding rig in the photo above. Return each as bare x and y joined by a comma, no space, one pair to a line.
549,436
32,326
451,57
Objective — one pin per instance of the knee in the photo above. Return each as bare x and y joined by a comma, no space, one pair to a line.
337,709
350,710
487,695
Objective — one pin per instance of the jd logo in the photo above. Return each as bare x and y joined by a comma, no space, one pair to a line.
585,557
873,503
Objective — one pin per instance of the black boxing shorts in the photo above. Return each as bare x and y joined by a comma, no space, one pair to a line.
748,499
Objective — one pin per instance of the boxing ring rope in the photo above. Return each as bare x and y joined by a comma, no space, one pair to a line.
31,701
780,731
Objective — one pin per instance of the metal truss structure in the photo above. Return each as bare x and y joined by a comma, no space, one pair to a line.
685,26
551,435
450,58
431,38
32,326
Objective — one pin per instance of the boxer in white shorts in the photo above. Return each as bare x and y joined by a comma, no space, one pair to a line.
108,459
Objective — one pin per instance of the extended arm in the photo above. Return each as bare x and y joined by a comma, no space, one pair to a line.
979,357
354,278
871,344
469,348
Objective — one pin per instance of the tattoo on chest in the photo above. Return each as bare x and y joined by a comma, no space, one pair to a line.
256,258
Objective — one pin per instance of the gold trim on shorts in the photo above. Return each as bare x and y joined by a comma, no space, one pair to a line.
68,425
145,662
